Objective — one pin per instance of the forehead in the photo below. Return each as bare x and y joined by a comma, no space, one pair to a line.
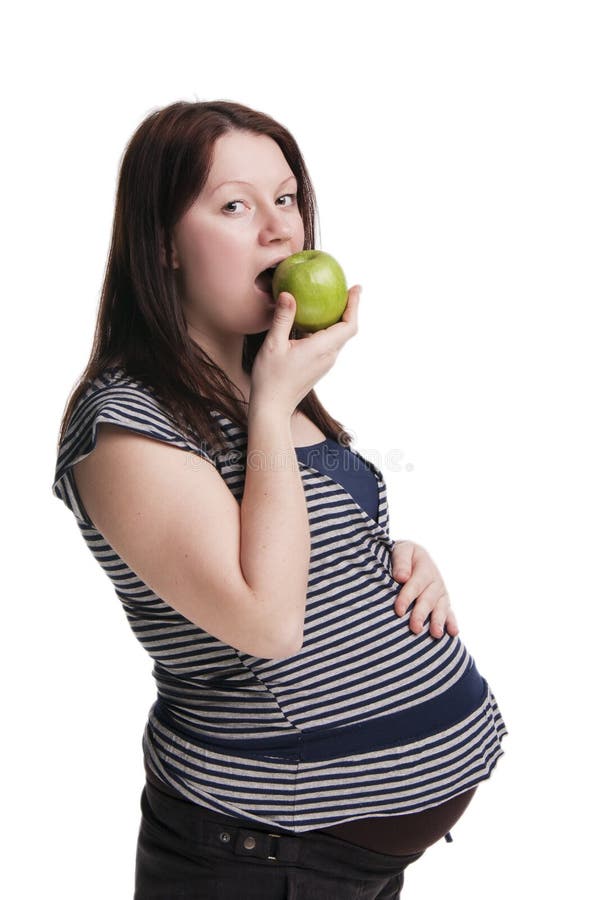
255,158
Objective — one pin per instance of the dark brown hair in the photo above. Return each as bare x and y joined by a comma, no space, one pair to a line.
140,325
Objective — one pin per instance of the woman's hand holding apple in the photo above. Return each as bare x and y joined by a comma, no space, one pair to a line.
286,370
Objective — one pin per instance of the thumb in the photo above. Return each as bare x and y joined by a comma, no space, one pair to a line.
285,310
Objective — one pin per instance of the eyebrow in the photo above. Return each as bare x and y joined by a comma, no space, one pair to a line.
239,181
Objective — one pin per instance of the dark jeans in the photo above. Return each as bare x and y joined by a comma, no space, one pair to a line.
185,851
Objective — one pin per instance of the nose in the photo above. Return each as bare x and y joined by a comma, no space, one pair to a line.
275,226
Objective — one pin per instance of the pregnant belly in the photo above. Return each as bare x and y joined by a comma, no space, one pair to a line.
401,835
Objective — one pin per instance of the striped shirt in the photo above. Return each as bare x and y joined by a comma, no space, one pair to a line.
367,719
347,468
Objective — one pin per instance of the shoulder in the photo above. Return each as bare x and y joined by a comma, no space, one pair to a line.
118,399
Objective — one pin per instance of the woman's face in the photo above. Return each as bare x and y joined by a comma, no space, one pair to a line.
233,231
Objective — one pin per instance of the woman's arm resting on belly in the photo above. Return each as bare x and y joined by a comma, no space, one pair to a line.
422,581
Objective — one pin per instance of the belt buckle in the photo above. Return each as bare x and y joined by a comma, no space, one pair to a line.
273,849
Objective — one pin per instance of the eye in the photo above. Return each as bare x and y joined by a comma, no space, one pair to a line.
292,196
231,203
227,207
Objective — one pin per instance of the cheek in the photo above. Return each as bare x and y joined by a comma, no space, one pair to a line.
206,256
299,231
216,255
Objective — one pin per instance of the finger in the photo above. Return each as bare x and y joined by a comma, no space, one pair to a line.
350,313
431,603
402,560
349,318
411,589
440,616
283,317
425,597
451,624
419,580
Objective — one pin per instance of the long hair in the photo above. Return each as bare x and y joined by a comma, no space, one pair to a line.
140,325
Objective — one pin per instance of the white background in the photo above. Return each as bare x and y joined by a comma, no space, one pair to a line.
454,149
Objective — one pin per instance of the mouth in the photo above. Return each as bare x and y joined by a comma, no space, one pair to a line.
264,281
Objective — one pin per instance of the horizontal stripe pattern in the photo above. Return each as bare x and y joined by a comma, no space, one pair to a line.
240,734
300,796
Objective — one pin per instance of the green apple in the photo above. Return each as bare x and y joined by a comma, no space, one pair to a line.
318,285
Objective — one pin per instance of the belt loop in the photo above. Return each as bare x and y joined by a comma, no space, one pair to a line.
273,846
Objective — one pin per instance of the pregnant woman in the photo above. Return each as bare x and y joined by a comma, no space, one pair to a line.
315,730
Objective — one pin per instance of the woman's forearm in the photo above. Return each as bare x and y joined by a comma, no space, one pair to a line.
275,533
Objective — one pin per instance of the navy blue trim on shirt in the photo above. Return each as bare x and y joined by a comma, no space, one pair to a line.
347,468
387,731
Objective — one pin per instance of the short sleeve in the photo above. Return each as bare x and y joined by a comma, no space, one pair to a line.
128,405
